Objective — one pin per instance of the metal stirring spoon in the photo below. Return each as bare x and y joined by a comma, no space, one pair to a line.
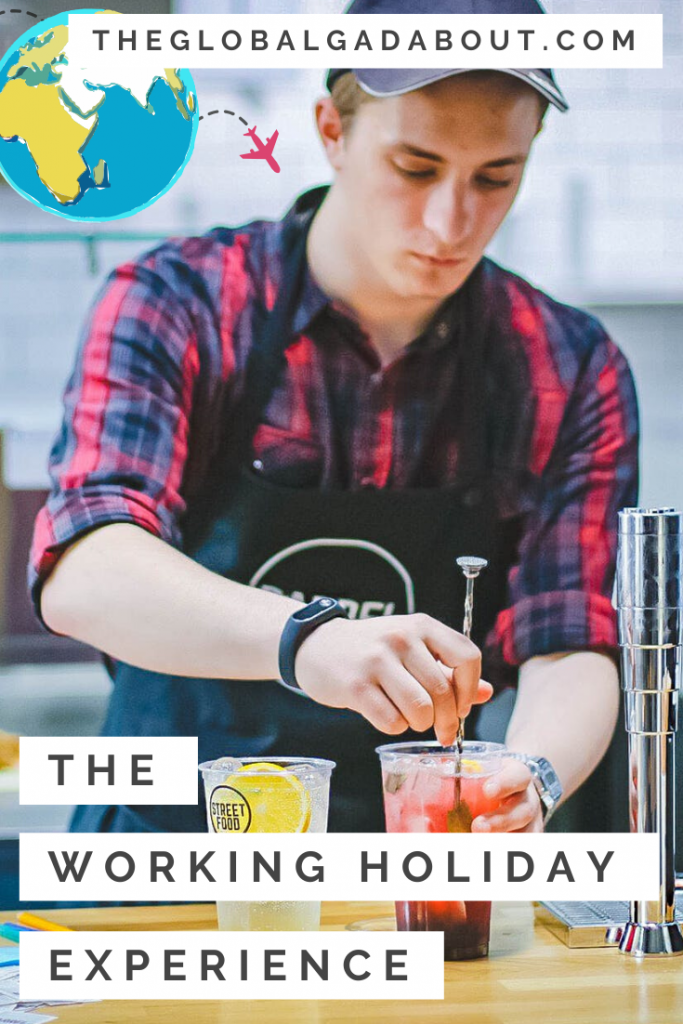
460,816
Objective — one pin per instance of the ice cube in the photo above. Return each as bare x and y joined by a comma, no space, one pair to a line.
415,823
225,764
432,786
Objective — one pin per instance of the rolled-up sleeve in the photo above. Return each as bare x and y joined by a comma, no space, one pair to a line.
121,450
560,589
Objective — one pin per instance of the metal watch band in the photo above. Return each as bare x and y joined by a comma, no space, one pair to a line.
298,627
548,785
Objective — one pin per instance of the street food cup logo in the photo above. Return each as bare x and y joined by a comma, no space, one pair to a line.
85,140
366,579
229,810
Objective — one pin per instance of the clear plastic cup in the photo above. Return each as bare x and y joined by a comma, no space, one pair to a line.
282,794
424,793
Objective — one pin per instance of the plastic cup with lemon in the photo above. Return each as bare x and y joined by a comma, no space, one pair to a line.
282,794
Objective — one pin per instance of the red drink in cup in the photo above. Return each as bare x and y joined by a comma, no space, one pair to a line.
465,925
420,787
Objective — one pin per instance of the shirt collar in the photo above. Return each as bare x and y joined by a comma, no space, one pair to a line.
313,300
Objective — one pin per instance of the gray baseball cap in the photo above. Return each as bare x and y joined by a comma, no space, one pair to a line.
396,81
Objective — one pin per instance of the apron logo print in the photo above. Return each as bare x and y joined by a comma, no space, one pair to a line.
300,571
229,810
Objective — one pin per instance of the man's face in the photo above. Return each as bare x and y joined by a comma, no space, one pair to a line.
428,177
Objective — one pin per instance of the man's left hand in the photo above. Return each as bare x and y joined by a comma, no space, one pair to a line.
520,807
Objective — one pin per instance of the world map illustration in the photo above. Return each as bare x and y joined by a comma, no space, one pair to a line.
85,142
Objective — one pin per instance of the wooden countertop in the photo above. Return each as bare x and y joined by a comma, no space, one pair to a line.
531,977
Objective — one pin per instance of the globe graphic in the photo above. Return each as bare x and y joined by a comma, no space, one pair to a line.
91,143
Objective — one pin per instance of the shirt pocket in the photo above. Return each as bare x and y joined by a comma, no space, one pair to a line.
286,458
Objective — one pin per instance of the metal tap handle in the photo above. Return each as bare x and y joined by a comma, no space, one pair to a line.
649,593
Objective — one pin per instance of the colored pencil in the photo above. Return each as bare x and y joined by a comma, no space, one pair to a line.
39,923
11,931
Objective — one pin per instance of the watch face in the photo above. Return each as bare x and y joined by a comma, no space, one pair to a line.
549,780
320,606
323,604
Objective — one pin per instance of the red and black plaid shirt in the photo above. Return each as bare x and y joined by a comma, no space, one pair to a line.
167,342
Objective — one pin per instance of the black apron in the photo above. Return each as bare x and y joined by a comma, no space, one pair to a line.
381,551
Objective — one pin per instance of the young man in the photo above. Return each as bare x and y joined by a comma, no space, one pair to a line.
340,404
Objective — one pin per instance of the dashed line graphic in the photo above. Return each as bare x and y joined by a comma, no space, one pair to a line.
15,10
232,112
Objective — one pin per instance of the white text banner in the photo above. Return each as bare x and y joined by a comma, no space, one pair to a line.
368,40
231,965
339,866
108,770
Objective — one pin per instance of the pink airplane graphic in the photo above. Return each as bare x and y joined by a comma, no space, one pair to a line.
263,151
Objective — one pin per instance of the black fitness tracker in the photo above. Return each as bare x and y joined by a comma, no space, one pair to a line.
299,626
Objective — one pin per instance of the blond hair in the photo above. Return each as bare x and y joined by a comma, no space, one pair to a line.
348,97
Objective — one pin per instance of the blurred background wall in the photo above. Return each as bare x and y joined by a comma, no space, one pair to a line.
599,223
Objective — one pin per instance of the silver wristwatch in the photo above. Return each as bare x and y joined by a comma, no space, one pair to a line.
548,786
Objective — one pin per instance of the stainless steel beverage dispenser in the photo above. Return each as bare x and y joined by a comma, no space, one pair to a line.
649,601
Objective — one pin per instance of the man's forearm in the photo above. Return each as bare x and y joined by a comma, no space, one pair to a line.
136,598
133,596
566,710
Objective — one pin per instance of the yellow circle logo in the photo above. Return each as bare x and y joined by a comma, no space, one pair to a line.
229,810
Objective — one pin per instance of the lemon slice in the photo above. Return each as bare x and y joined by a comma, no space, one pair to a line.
279,802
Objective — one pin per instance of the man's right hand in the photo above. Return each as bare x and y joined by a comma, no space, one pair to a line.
398,671
141,601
